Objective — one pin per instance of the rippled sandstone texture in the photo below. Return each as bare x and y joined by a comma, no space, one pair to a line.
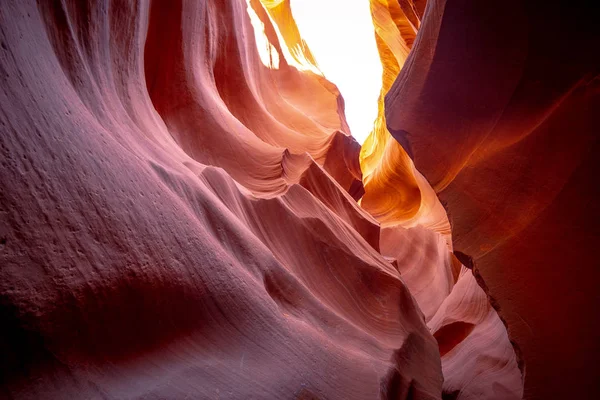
179,211
178,218
478,358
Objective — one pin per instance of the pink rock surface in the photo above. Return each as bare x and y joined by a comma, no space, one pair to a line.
159,234
179,219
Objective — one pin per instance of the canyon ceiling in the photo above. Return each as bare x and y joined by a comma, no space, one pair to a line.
184,212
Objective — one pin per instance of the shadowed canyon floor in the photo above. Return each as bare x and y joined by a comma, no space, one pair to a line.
184,212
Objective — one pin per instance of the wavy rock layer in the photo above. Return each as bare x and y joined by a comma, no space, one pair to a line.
395,192
478,358
177,218
501,118
180,218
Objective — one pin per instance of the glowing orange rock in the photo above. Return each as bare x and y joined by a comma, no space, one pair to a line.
180,218
395,192
399,197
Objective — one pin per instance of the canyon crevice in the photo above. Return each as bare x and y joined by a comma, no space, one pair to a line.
184,212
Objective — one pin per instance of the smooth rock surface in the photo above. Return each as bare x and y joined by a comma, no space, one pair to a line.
501,117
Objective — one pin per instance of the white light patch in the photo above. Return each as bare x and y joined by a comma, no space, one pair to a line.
267,52
341,36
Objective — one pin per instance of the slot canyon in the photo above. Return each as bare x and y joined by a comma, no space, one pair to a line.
186,214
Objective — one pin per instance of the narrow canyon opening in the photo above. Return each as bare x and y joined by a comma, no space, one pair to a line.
341,36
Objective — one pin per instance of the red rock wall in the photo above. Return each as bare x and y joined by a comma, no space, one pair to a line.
501,118
478,358
179,218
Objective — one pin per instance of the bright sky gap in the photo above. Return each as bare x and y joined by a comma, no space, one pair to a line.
341,36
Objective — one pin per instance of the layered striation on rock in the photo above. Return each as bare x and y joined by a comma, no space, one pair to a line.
395,191
179,215
184,212
478,358
458,310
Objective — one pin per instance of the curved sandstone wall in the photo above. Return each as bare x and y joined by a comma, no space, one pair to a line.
184,213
